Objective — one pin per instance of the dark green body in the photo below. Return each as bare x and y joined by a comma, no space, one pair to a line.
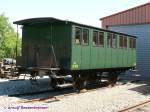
38,39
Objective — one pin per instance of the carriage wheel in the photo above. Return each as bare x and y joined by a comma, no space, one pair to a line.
53,83
76,84
79,82
112,78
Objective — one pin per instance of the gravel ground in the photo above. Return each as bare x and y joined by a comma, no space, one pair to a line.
102,100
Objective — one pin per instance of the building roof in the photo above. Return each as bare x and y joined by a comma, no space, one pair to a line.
136,15
137,7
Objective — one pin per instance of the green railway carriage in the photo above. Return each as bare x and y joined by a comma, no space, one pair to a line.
74,48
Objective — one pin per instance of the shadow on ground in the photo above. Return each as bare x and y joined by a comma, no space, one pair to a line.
135,78
143,89
42,89
8,87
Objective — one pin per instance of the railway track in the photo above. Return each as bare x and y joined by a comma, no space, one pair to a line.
54,98
135,107
58,94
50,98
55,94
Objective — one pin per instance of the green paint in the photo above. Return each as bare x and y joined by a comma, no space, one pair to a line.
95,57
69,55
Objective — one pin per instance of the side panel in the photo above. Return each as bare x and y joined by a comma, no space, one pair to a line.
108,54
127,52
114,54
101,57
94,58
85,57
102,54
118,54
124,57
62,44
120,59
85,52
94,54
76,52
114,57
97,59
80,52
134,57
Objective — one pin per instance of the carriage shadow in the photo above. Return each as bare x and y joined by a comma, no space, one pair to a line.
8,87
40,90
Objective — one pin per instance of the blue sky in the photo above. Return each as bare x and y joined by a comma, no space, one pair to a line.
82,11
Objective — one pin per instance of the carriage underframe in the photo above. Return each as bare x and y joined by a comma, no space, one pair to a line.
79,78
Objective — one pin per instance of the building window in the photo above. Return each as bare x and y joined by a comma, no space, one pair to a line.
109,40
114,41
101,39
78,35
85,40
95,38
121,41
125,42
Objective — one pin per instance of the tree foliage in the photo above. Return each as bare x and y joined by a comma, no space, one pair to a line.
9,42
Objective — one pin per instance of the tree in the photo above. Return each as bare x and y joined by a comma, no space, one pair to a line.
8,39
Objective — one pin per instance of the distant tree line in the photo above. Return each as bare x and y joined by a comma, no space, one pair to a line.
9,43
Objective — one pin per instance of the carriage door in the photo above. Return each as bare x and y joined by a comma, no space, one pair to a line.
85,50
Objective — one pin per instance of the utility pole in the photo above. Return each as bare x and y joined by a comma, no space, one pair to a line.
1,39
17,43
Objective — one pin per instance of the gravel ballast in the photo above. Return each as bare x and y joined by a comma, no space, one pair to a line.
102,100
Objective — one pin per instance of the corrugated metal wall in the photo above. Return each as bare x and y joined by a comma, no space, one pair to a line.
143,44
137,15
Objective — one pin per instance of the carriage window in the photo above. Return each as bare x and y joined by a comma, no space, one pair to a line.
85,40
109,40
78,34
134,43
121,41
101,38
125,42
95,38
114,41
131,43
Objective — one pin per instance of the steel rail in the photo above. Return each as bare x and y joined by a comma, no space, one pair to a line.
60,93
135,106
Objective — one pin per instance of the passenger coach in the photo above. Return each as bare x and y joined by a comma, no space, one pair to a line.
60,48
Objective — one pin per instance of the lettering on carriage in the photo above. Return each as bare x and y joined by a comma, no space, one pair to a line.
75,65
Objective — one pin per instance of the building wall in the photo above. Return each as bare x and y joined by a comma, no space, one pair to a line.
143,44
